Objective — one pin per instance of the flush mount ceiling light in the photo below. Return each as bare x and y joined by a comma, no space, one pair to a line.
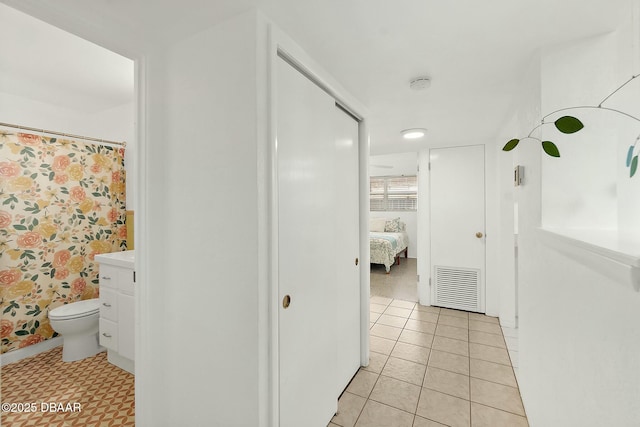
414,133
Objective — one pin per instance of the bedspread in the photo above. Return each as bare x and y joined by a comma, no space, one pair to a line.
386,246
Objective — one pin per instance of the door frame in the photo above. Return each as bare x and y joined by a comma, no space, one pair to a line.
281,45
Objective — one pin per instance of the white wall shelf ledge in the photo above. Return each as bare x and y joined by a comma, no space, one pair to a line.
609,252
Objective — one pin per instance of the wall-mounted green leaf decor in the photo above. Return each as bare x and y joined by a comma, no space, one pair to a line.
511,145
550,148
565,124
570,124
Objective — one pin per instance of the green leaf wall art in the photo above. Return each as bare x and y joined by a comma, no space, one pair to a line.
511,145
565,124
570,125
550,148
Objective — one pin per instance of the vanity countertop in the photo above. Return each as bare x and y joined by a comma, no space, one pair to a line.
119,259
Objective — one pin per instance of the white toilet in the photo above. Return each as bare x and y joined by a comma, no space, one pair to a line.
77,322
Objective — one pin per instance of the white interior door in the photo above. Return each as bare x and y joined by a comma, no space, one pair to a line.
306,250
457,199
347,248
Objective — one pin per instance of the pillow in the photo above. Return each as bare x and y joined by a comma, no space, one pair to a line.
377,224
392,225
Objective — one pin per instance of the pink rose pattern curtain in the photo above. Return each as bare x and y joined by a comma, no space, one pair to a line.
62,202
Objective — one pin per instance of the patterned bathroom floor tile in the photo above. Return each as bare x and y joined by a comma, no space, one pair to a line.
84,393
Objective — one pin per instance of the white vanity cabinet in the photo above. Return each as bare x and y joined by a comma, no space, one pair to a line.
117,307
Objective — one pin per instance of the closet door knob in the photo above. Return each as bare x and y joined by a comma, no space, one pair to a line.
286,301
357,261
479,235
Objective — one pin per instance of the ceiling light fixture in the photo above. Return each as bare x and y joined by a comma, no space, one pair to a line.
414,133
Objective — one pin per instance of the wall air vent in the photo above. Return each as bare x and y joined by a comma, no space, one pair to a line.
457,288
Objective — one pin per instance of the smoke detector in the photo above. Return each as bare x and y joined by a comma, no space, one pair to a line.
420,83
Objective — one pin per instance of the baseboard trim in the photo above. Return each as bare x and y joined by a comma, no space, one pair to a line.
22,353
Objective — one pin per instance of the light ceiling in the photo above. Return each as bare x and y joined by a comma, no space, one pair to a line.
81,76
473,51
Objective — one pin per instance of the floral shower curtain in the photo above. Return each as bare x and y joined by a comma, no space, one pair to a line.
61,203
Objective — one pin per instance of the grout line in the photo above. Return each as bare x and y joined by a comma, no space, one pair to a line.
491,361
448,370
406,382
503,410
469,350
449,394
493,382
401,317
425,371
489,345
470,413
387,405
485,332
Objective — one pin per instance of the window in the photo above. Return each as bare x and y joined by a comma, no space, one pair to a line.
393,193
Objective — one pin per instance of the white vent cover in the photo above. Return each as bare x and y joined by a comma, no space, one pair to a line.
457,288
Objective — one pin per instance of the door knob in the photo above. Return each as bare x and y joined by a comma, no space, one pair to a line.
479,235
286,301
357,261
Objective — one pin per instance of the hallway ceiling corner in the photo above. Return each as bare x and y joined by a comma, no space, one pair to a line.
474,52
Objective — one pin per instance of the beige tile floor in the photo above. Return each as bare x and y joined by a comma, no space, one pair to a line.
432,367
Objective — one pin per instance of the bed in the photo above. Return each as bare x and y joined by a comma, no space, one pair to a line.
388,239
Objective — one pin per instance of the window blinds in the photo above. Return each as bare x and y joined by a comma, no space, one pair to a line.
393,193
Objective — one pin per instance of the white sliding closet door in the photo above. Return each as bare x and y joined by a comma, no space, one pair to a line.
347,248
306,251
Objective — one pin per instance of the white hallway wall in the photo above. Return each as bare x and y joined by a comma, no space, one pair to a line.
398,164
206,329
510,199
578,325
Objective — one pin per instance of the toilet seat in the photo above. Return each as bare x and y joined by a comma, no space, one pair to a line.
76,310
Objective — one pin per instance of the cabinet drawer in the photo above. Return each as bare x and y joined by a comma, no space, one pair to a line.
109,334
108,276
108,304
